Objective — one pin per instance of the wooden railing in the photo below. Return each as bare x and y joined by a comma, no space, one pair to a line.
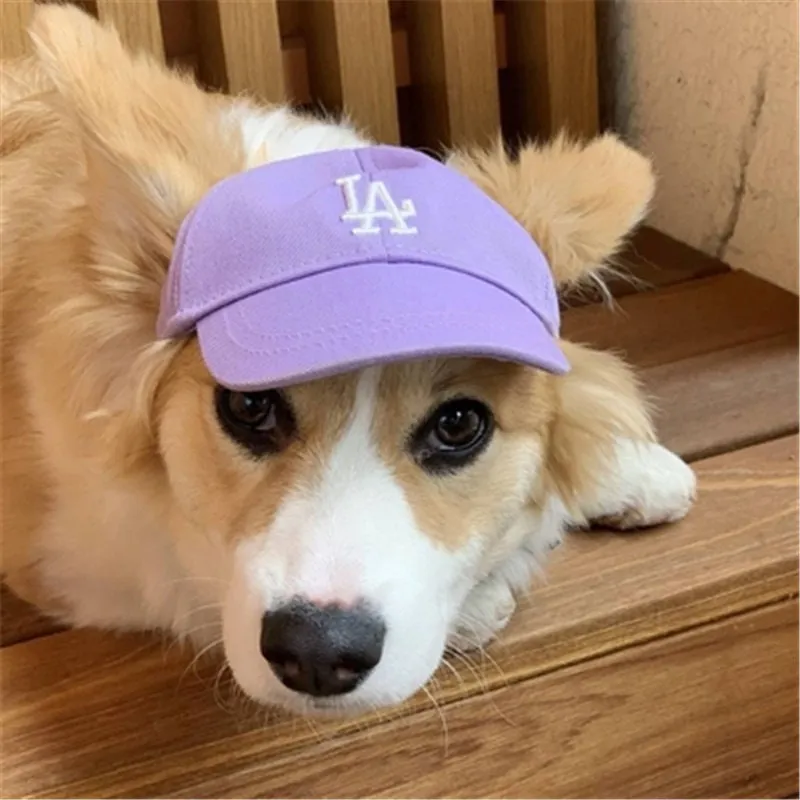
421,72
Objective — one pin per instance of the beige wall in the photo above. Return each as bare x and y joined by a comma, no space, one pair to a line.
709,90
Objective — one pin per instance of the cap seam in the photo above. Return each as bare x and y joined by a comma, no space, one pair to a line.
551,329
368,171
484,321
391,257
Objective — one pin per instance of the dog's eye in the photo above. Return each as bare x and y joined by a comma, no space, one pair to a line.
453,435
262,422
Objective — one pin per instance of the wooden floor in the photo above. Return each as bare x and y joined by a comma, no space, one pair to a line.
658,664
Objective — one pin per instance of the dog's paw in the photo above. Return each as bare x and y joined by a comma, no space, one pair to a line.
486,611
651,486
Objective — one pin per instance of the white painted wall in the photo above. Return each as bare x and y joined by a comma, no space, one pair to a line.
709,89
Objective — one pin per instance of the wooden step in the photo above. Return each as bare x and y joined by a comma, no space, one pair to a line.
652,664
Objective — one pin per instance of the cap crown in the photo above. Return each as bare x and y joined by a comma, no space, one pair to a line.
291,219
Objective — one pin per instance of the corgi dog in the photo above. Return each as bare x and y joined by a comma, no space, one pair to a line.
270,386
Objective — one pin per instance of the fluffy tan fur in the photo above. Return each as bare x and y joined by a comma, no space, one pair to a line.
578,201
103,154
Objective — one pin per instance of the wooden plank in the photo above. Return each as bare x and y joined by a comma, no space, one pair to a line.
351,64
656,259
294,48
453,64
138,23
736,550
14,17
20,622
401,57
251,45
650,260
179,30
212,71
686,320
643,723
364,41
552,63
87,714
729,398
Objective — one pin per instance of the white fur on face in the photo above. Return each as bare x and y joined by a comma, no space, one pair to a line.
350,537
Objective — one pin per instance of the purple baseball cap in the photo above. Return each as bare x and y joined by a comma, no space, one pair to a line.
325,263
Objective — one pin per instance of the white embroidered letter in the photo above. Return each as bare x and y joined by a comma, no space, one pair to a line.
367,215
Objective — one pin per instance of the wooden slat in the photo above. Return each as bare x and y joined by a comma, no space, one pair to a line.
453,63
656,259
251,44
643,723
138,23
736,397
294,48
686,320
364,37
14,17
212,70
86,714
650,260
736,550
20,622
179,31
552,61
401,56
351,64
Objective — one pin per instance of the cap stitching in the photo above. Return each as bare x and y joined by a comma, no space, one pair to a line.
197,311
454,317
334,339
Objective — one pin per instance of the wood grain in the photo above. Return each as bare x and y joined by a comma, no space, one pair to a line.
14,17
164,735
552,65
453,64
729,398
251,44
650,260
138,23
287,75
686,320
179,30
736,550
642,723
657,259
20,622
209,62
351,63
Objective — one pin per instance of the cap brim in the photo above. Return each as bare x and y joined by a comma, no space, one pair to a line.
358,316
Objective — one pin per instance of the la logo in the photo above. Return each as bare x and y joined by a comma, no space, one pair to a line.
379,205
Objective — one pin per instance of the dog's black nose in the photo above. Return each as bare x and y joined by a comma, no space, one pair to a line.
321,651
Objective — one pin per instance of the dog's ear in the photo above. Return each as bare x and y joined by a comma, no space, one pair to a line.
156,126
578,201
150,144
